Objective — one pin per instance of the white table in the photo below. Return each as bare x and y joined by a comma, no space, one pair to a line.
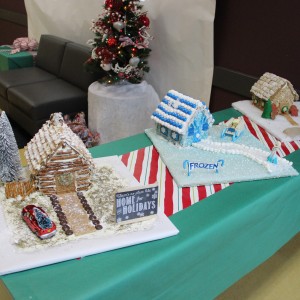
119,111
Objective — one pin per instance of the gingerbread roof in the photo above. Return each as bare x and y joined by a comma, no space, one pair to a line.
176,111
53,134
268,84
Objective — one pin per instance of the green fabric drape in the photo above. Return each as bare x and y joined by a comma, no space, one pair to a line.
221,239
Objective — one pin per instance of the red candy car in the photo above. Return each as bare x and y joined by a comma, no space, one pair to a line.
38,221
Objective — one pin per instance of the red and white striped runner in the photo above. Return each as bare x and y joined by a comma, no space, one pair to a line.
147,167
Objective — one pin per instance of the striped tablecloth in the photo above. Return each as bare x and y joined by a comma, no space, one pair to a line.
147,167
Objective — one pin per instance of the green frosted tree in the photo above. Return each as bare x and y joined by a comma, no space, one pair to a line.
267,110
10,163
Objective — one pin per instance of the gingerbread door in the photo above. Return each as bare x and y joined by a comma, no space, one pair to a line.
65,183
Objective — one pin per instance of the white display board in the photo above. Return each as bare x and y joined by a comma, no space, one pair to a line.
182,47
13,259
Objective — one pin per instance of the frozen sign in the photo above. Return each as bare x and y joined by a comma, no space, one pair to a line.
137,203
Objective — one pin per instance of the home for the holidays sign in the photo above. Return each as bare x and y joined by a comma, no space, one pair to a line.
136,203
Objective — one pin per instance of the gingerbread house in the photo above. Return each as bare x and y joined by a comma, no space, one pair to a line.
279,90
58,159
181,119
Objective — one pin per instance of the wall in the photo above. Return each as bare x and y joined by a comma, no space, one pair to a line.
253,37
13,21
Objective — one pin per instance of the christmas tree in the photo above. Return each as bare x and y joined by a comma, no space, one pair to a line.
120,47
267,110
10,164
43,220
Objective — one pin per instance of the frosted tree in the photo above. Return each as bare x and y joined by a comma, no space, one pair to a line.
267,110
10,163
43,220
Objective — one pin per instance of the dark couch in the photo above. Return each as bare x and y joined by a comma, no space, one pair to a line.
57,83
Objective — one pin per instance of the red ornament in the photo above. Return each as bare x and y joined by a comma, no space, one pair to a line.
112,42
121,75
98,51
134,50
143,19
106,56
113,4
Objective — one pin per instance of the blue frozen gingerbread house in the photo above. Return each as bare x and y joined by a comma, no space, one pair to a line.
181,119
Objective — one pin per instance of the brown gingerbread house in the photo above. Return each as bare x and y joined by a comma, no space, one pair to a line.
58,159
279,90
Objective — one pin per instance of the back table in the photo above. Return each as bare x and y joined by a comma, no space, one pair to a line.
222,238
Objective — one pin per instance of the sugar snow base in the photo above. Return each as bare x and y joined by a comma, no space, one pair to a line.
244,160
21,249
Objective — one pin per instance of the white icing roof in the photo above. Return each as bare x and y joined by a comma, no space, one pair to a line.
53,134
177,110
268,84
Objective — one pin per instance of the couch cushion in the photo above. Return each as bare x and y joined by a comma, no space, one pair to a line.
17,77
72,68
39,100
24,121
50,53
4,104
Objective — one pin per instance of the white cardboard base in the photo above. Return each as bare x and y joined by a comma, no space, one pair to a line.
274,127
13,259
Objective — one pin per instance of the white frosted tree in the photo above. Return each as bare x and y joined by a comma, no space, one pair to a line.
10,163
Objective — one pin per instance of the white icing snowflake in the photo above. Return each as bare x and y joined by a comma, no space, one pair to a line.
163,129
174,104
174,135
154,196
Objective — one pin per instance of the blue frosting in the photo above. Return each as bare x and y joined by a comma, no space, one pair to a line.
174,114
167,120
180,107
193,105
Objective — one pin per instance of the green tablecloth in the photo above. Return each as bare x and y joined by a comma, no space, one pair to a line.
14,61
221,239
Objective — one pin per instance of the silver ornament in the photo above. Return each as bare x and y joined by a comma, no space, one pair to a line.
118,25
106,67
134,61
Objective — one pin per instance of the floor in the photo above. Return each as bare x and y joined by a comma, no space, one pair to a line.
276,279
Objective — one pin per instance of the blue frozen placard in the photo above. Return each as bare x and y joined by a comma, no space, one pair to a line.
136,204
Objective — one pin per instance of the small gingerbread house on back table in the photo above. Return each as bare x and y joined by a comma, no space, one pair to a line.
58,159
279,90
